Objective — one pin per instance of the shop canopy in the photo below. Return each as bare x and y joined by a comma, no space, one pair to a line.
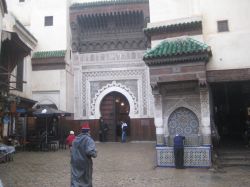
47,111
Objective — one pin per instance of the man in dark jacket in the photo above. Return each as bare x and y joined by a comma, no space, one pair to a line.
179,151
103,130
83,149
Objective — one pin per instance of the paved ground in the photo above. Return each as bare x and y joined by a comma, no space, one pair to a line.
117,165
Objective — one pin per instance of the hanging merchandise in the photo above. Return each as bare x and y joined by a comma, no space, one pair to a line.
6,121
14,126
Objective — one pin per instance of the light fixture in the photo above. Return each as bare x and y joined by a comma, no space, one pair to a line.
122,103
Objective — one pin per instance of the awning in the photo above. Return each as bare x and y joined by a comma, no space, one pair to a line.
21,110
13,51
49,112
4,6
14,42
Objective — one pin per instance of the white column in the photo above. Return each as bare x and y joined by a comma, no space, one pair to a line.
158,120
205,117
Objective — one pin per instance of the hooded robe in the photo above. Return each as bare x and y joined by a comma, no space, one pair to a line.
83,149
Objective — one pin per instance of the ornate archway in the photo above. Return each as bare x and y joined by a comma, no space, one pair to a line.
114,87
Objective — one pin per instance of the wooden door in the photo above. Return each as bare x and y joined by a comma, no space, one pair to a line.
107,112
114,108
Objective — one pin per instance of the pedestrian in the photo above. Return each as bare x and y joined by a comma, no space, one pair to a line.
70,139
83,149
124,128
103,130
179,151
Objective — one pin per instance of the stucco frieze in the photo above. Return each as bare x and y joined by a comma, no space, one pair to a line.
134,82
113,57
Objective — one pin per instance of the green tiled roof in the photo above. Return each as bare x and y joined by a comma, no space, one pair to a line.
49,54
106,3
173,27
181,49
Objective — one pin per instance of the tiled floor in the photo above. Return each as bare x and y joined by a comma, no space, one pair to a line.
127,165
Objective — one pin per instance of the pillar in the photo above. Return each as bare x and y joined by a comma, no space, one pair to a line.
158,120
205,116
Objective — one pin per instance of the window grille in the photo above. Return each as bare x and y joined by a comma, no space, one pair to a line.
48,21
222,26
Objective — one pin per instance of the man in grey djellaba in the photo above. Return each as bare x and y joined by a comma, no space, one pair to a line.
83,149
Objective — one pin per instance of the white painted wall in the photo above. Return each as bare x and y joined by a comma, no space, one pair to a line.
50,38
1,22
229,48
1,26
83,1
21,10
70,90
161,10
32,12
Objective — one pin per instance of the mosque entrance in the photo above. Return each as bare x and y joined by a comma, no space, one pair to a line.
115,108
231,108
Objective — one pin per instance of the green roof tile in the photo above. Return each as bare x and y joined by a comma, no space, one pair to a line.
181,47
173,27
49,54
106,3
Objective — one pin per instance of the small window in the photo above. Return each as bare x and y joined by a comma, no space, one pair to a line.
48,21
21,1
222,26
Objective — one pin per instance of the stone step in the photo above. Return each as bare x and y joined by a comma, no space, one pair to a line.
229,163
234,153
235,157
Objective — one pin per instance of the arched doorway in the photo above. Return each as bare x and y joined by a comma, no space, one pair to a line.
115,108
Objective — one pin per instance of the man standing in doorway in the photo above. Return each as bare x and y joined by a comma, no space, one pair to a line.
124,131
103,130
179,151
83,149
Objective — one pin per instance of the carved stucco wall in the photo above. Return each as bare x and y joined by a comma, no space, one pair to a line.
174,97
188,102
191,97
191,102
47,97
122,71
178,95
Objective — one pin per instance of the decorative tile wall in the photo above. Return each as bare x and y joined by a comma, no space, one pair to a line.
193,156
